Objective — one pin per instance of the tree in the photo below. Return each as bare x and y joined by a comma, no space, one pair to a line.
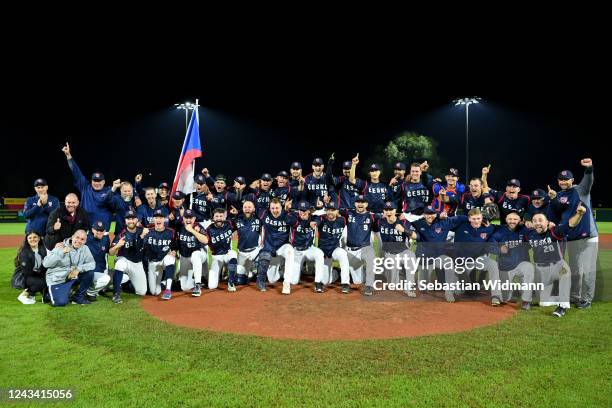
408,147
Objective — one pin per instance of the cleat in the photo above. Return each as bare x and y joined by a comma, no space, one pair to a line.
117,299
368,291
318,287
583,304
449,296
197,290
286,287
559,312
231,287
526,305
495,301
346,288
167,295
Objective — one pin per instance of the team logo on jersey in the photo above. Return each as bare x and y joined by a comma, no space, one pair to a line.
438,230
103,249
563,200
483,235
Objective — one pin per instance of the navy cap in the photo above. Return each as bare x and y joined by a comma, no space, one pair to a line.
240,180
178,195
347,165
304,206
266,177
539,193
361,198
130,214
389,206
513,182
40,182
317,162
331,205
199,179
374,167
98,226
159,213
188,213
429,210
220,177
97,176
565,175
164,185
283,173
296,166
399,166
452,172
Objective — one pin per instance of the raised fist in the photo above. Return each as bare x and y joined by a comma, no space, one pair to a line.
205,172
586,162
138,178
581,209
116,184
486,169
137,201
400,228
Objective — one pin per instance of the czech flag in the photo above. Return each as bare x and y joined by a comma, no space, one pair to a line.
183,180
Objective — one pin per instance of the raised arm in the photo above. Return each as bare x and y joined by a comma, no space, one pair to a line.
584,188
80,182
354,164
483,177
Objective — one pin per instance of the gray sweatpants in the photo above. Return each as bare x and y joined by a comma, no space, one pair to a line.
525,271
393,274
583,265
549,273
364,256
490,266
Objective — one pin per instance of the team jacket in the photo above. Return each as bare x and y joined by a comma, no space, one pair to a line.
564,206
157,244
468,201
431,239
99,249
97,204
133,248
347,192
472,241
37,216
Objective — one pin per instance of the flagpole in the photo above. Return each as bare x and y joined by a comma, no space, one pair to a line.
193,162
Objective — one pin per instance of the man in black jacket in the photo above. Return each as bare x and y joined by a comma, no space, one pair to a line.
64,221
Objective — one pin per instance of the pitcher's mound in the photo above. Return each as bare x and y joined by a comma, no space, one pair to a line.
324,316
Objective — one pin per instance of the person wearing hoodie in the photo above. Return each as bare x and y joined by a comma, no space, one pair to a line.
70,260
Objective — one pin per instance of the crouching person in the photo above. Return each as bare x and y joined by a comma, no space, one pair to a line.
98,243
68,263
159,250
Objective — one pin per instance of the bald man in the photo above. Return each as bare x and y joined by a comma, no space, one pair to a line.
65,221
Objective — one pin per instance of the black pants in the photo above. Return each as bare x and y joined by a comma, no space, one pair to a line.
35,284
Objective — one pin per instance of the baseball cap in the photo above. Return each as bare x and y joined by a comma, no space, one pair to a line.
199,179
429,210
159,213
304,206
130,214
317,162
188,213
389,206
452,172
513,182
347,165
399,166
283,173
374,167
296,166
40,182
98,226
565,175
240,180
164,185
266,177
331,205
538,193
361,199
178,195
220,177
97,176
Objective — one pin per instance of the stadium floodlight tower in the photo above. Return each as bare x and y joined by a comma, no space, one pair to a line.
187,106
467,102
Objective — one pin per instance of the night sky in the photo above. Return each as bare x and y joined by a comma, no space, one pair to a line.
255,125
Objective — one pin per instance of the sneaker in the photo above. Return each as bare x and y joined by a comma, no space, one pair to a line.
83,301
559,312
167,294
318,287
495,301
286,287
526,305
261,285
449,296
91,298
411,293
117,299
346,288
231,287
25,299
368,291
583,304
197,290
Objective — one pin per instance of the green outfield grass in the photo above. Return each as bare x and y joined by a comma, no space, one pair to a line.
117,356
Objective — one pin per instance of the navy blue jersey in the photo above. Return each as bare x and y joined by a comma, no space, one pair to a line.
396,194
37,215
186,242
518,251
276,229
315,187
177,222
133,248
376,194
286,193
393,241
201,207
546,248
223,199
99,249
347,191
121,207
302,234
359,228
563,207
472,240
261,198
532,210
507,205
415,197
158,244
330,233
145,214
220,238
249,232
468,201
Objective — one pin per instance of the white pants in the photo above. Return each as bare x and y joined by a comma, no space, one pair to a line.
526,272
217,263
285,255
156,272
329,275
190,268
312,254
549,274
245,261
100,281
134,272
359,259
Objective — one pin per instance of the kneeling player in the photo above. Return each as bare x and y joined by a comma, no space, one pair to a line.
360,224
194,256
331,228
248,227
159,249
302,240
219,239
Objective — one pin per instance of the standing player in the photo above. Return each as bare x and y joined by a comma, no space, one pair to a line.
248,228
296,174
316,190
128,247
159,249
399,173
510,200
260,192
360,225
194,257
447,195
347,185
163,199
415,192
283,191
122,202
201,207
538,205
147,210
331,228
375,191
544,240
302,239
175,217
583,239
38,208
98,244
475,197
